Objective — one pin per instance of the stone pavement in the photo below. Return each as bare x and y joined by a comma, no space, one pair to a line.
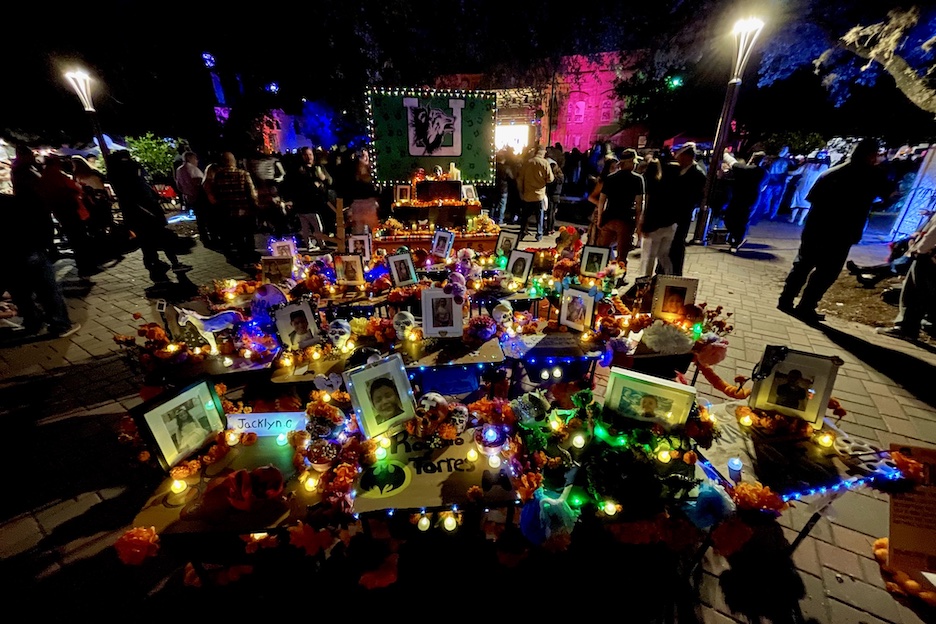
60,401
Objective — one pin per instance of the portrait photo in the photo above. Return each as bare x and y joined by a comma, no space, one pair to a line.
441,316
519,265
381,395
402,192
361,245
442,242
469,192
181,424
671,294
276,269
283,247
349,270
506,243
577,309
648,398
402,269
594,260
794,383
296,325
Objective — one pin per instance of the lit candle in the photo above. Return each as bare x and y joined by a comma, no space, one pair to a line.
384,441
746,420
281,439
232,438
424,523
610,508
826,440
494,461
310,483
228,362
472,455
664,457
178,486
450,523
578,441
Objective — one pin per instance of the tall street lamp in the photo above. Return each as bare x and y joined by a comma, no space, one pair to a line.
81,83
745,32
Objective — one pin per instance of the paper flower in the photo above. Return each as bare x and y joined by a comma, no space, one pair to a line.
137,545
666,339
710,349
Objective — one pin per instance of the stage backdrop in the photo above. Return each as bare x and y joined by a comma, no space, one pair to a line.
413,128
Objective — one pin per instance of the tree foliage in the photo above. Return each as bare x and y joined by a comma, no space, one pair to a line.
154,153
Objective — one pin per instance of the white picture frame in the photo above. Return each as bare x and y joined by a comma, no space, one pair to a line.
442,243
362,245
670,294
469,192
381,395
276,269
441,316
520,272
402,193
402,269
594,260
577,309
289,322
349,270
649,399
506,243
794,383
283,247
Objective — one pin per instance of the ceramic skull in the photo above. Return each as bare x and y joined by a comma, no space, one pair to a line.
502,313
433,401
458,414
339,332
402,323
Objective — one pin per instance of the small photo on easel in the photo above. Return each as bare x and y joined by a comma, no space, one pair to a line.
360,244
577,309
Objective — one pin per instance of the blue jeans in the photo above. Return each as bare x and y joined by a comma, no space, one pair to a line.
529,209
36,284
500,208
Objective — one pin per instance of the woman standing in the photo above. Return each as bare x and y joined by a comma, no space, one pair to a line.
656,225
809,172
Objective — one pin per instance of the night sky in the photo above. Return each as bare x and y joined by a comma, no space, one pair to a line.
152,77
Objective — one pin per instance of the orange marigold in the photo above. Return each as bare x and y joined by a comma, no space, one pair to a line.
137,545
307,538
909,467
755,496
249,438
475,494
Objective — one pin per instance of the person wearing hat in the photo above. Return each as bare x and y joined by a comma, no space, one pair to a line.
619,206
840,202
535,175
684,187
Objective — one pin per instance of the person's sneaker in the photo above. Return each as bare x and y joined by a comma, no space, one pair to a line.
897,332
65,333
181,268
808,316
852,267
741,244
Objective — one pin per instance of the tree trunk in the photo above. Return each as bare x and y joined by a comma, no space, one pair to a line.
908,81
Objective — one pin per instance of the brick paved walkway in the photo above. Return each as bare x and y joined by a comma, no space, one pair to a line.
71,493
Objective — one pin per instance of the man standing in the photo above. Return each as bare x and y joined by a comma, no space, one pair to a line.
235,193
684,186
306,188
619,206
777,169
535,175
189,179
746,181
918,294
841,201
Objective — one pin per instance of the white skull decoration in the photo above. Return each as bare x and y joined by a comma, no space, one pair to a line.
502,313
339,332
402,323
433,401
458,415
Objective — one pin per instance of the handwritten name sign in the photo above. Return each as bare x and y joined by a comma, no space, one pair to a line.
267,424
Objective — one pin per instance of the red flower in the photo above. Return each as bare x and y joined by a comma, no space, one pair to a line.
137,545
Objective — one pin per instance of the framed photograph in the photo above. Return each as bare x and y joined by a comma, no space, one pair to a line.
442,243
649,399
441,316
670,294
519,265
381,395
402,193
286,247
296,325
506,243
469,192
594,260
361,245
577,309
349,270
402,269
794,383
181,424
276,269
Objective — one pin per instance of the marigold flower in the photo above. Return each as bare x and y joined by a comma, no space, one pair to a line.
137,545
308,539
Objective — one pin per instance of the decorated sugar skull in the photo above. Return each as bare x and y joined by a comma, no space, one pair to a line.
466,255
502,312
433,401
458,416
339,332
403,322
456,286
474,272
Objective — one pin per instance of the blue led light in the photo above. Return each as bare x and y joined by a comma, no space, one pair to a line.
390,512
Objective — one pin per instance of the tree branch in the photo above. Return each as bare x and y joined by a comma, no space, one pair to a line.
910,83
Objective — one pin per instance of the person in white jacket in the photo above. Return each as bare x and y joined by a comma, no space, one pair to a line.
809,172
919,287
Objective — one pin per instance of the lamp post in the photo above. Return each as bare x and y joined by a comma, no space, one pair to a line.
81,83
745,32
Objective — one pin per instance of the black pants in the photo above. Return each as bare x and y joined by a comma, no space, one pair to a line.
817,265
918,295
677,251
737,217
